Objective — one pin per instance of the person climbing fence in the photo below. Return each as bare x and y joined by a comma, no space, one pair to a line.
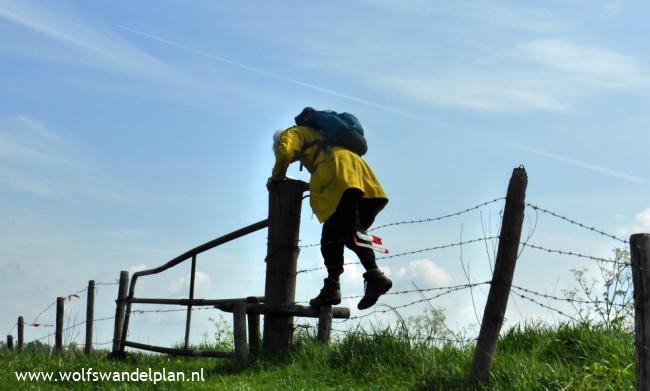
345,195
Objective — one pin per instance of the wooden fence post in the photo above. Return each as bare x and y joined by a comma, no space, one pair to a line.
10,343
58,333
120,308
504,268
640,258
285,202
21,334
254,340
239,333
325,324
90,314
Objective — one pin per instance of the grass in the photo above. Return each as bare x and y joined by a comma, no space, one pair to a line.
567,357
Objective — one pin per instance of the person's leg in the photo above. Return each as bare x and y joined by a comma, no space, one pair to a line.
365,211
365,255
332,248
368,210
332,251
376,283
336,231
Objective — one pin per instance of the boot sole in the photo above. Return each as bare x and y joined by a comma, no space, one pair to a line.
325,302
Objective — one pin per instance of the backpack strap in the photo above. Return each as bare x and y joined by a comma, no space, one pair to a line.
319,144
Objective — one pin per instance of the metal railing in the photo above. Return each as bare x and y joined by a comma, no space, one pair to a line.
125,302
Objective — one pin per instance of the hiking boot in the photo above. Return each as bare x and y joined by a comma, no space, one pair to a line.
329,295
376,284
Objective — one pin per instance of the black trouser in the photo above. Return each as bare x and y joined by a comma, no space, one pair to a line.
353,213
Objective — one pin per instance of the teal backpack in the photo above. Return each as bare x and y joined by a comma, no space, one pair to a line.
339,129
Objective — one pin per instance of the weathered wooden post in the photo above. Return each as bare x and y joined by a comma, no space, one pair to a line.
90,314
640,258
21,334
58,333
10,343
120,308
325,324
285,202
254,340
239,333
504,268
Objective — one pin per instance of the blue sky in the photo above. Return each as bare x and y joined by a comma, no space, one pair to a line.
133,131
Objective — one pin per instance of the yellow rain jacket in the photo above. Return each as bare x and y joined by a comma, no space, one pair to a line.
332,171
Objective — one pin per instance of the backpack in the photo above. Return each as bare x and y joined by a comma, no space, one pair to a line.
342,130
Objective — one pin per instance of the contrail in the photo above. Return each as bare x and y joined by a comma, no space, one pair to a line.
578,163
549,155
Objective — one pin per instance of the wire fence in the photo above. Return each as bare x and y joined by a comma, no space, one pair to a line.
551,302
545,300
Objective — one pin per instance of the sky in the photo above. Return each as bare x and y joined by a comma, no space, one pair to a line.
131,132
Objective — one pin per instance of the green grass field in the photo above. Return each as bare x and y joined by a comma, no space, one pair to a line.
530,358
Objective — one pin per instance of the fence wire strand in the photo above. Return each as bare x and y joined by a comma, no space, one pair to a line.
432,219
571,221
426,299
536,297
574,254
565,299
403,254
405,222
543,305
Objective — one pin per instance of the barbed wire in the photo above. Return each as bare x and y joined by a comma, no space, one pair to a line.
405,222
157,311
12,329
454,244
440,247
101,343
68,297
566,299
571,253
112,317
448,291
38,324
42,338
440,288
71,327
571,221
44,311
431,219
106,283
543,305
521,292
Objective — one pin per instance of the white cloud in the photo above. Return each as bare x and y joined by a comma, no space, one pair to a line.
425,270
547,75
19,182
534,75
578,163
27,140
76,41
501,61
202,284
641,224
587,64
39,161
353,275
495,91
